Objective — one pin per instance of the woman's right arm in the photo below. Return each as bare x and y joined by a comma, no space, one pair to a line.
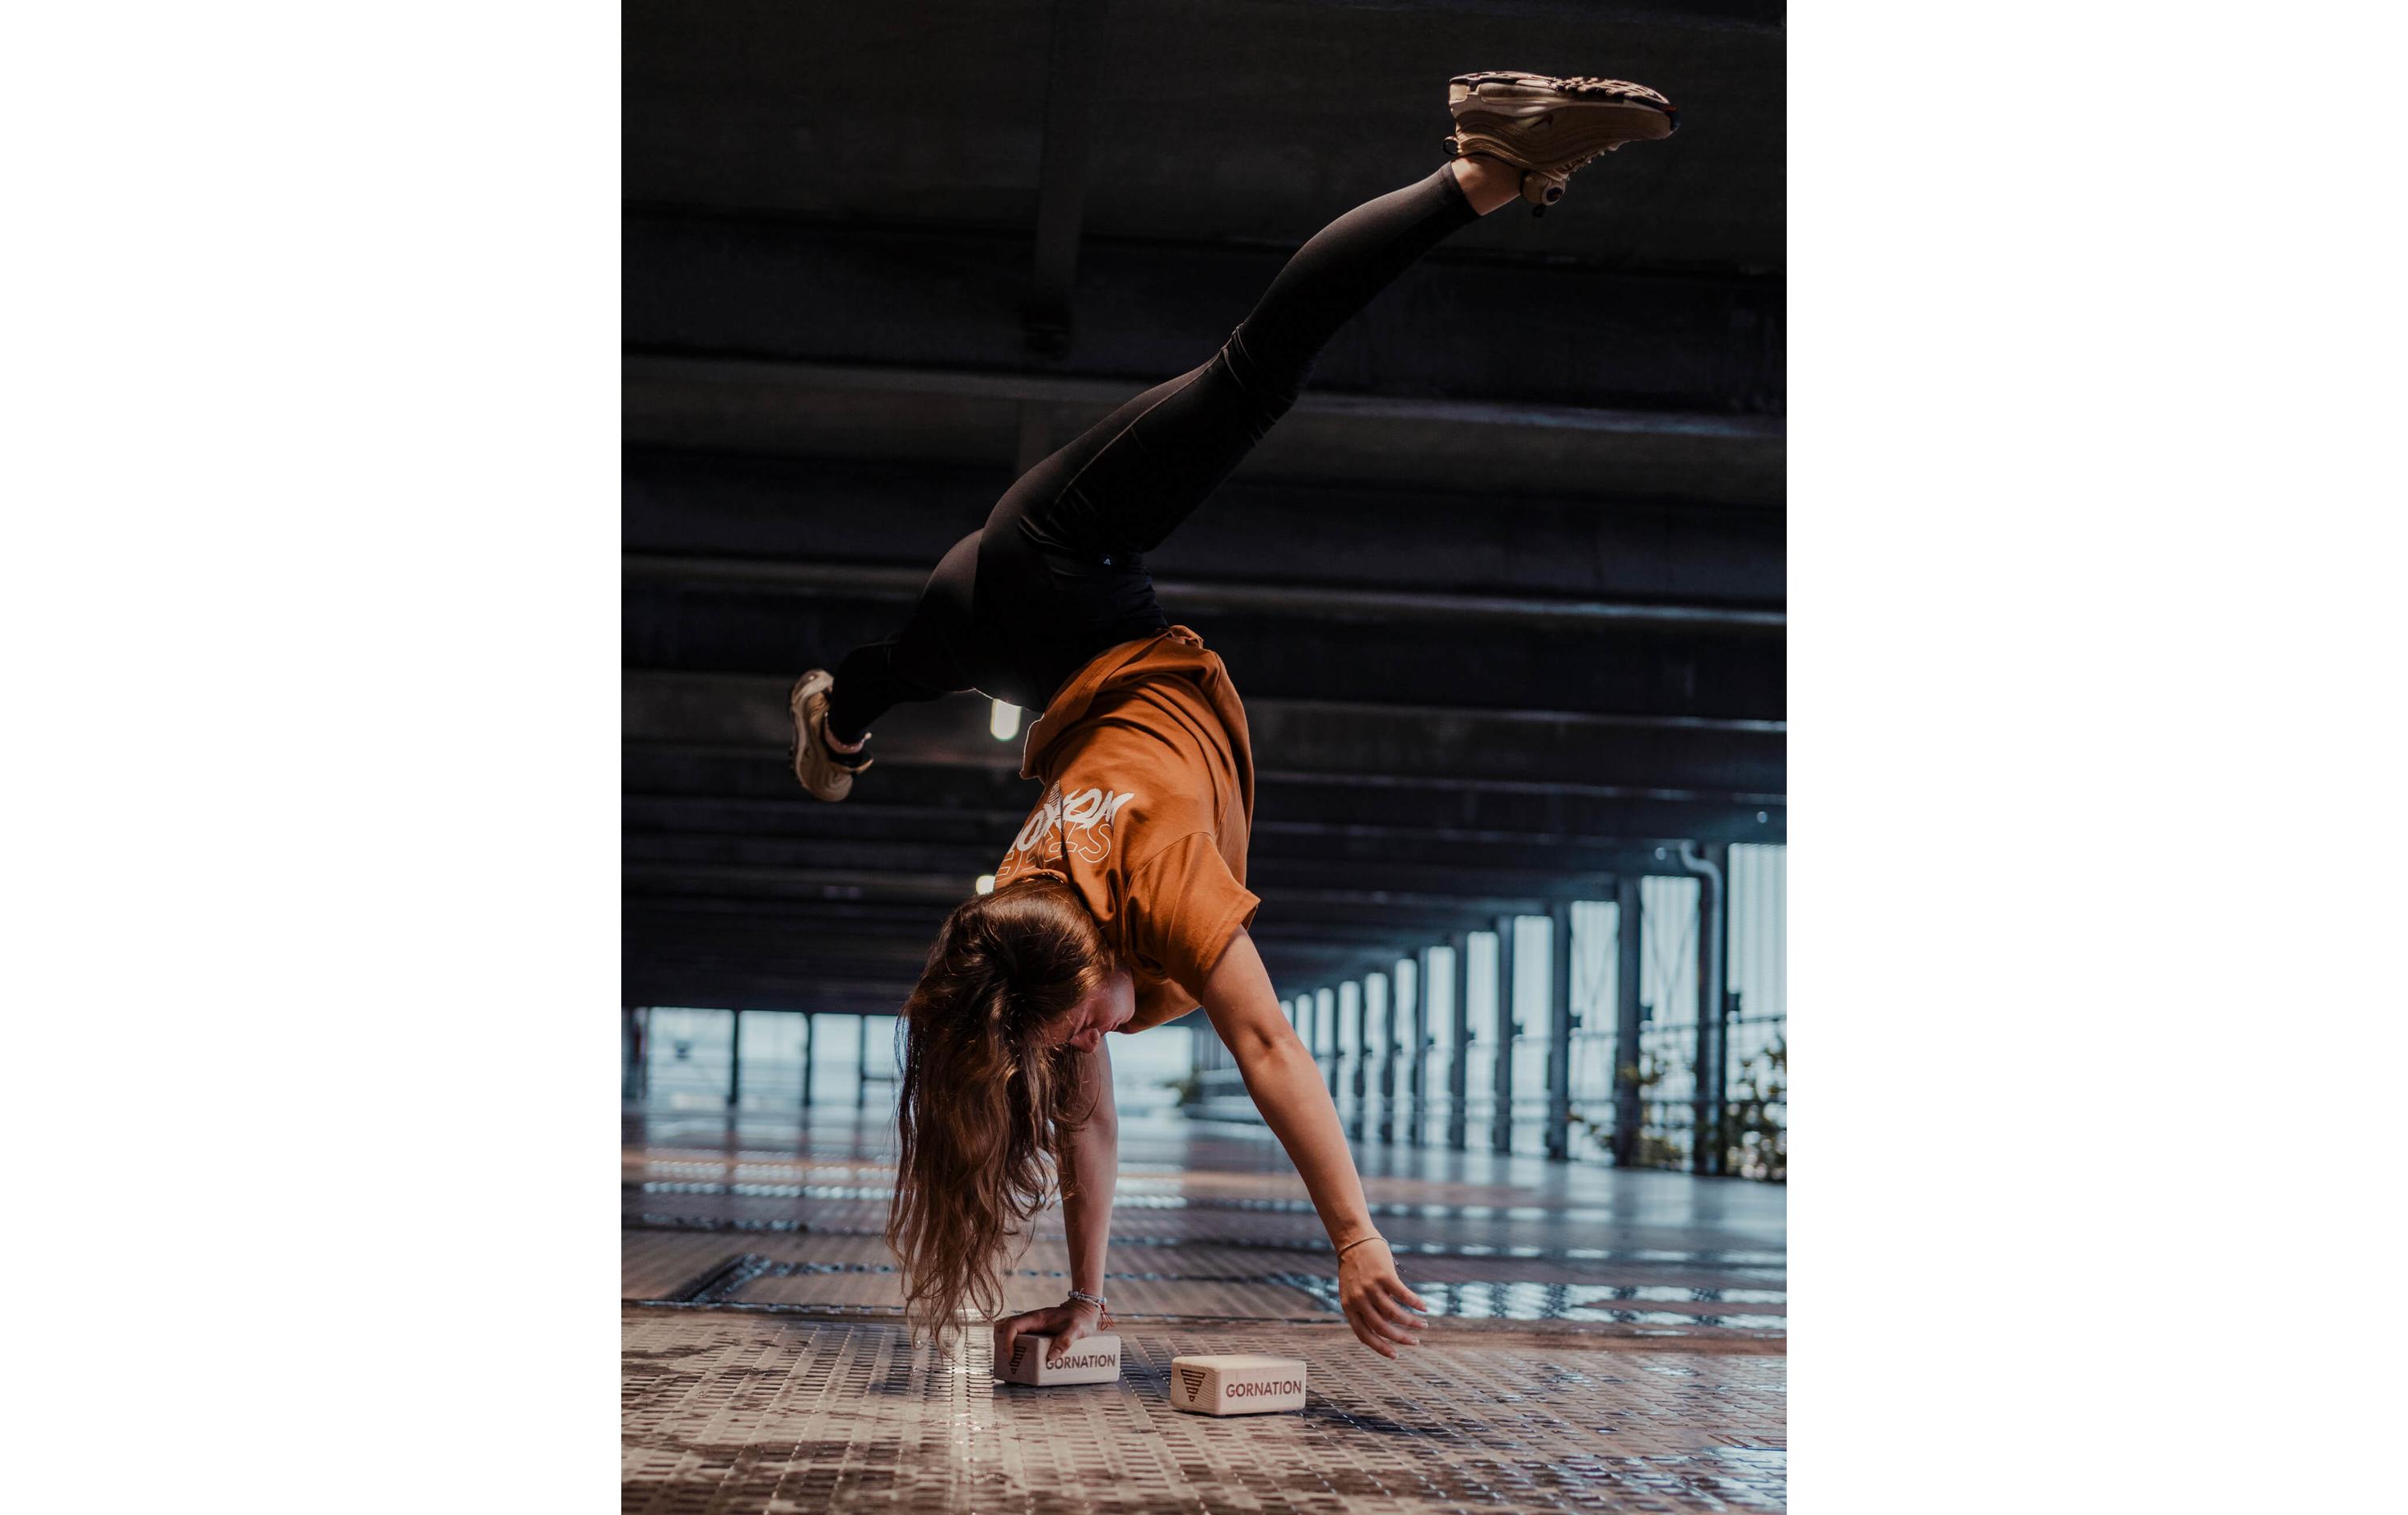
1086,1217
1286,1083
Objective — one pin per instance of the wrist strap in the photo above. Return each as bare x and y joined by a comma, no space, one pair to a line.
1359,1241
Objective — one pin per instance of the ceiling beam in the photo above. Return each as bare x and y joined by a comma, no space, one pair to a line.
1673,757
732,514
1105,394
1508,452
1374,906
1607,669
1434,875
1333,805
902,582
1406,837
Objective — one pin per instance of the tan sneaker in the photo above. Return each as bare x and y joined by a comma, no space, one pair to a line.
819,768
1547,127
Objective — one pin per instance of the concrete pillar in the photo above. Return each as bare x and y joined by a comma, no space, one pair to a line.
1500,1126
1350,1014
861,1070
1626,1112
1712,864
1459,1074
1380,1011
1560,1033
631,1052
807,1059
1417,1054
734,1057
1324,1020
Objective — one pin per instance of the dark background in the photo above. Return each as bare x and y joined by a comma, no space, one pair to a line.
1504,593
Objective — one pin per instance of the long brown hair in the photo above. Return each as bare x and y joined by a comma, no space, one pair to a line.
984,1112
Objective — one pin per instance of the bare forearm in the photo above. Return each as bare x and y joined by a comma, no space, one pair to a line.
1094,1167
1087,1205
1092,1163
1286,1086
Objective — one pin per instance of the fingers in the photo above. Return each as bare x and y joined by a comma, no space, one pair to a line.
1008,1330
1399,1324
1063,1337
1383,1314
1362,1334
1375,1331
1392,1309
1376,1328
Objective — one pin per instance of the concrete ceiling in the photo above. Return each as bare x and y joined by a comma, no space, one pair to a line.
1242,121
1505,593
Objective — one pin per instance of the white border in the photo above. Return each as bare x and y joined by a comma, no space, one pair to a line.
2094,559
310,595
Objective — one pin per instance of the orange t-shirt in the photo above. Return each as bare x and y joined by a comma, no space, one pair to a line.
1149,798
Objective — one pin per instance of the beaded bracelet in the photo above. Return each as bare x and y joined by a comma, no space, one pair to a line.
1096,1300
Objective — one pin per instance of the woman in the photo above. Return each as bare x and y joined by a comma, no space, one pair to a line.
1122,903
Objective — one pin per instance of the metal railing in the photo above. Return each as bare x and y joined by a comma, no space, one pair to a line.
690,1056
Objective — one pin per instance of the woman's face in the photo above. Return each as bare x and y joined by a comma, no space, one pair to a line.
1110,1006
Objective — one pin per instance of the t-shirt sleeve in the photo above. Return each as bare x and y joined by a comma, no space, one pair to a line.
1185,908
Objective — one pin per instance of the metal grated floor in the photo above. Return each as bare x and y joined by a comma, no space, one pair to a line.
1607,1342
764,1412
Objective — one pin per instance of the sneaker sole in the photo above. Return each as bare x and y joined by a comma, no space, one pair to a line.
1514,92
1580,134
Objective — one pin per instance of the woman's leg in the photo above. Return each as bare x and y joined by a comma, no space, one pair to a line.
1127,484
868,684
921,661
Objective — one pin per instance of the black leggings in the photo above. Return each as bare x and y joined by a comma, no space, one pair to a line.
1058,574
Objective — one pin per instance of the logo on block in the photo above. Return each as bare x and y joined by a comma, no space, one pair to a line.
1194,1378
1019,1351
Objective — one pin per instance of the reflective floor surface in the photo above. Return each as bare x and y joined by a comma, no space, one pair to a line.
1603,1341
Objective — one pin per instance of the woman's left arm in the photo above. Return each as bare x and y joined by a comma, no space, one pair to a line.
1286,1083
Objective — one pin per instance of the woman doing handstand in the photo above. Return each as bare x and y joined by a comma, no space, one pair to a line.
1122,903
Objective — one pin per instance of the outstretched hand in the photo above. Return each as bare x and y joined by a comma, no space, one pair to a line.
1377,1303
1065,1323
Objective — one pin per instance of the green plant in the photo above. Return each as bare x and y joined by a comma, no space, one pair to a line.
1755,1134
1757,1143
1654,1152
